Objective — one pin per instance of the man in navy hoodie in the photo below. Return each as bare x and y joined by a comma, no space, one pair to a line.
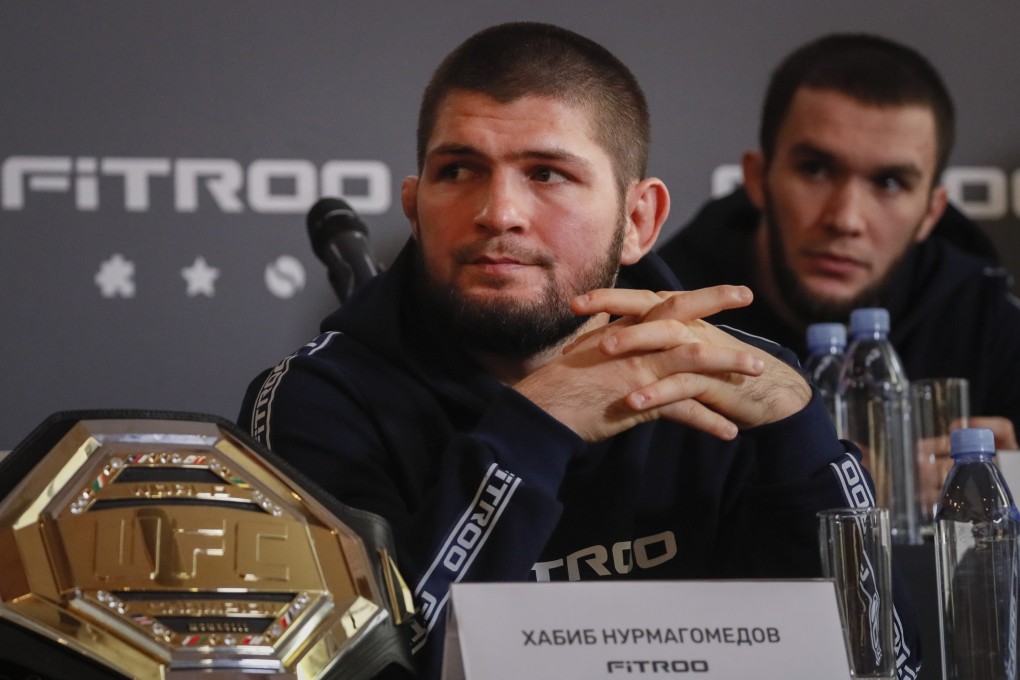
513,373
842,208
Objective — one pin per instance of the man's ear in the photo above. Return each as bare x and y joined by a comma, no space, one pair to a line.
936,206
647,205
753,164
409,201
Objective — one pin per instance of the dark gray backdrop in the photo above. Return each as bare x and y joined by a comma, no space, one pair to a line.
111,110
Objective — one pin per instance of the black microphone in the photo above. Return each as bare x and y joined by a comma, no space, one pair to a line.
340,239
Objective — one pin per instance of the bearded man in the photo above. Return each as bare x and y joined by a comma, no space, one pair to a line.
512,397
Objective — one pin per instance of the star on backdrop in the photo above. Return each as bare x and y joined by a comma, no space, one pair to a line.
201,278
115,277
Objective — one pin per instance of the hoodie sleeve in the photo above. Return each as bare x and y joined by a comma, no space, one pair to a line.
478,504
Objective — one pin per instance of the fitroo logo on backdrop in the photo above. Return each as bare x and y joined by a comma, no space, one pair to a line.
980,192
261,186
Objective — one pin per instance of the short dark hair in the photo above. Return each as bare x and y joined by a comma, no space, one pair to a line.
514,60
868,68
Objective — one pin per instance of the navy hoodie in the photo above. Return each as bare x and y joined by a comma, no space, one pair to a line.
386,413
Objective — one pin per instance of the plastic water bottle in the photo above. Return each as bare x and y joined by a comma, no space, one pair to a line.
826,343
876,396
977,557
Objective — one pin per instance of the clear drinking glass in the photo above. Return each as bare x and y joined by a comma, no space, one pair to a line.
856,551
939,406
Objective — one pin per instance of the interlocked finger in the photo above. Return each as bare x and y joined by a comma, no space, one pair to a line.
679,305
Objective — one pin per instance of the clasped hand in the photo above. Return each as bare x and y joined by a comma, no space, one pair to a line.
660,359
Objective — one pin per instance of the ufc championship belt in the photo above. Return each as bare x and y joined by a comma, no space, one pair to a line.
168,545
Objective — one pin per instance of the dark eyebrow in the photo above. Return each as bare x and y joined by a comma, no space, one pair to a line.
803,149
553,154
453,150
908,171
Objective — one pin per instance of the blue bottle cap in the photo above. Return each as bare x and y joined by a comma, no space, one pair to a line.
869,320
971,440
825,335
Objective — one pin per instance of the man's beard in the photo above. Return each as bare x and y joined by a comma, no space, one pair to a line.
806,306
517,329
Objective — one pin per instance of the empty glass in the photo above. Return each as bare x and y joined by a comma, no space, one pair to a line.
856,551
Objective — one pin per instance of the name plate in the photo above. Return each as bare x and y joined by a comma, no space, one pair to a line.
722,630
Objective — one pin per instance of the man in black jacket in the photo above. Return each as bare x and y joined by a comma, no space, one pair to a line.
842,208
512,396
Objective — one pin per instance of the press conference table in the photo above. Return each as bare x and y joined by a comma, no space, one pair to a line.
916,564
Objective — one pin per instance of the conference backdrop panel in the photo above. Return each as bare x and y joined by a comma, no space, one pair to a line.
158,160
